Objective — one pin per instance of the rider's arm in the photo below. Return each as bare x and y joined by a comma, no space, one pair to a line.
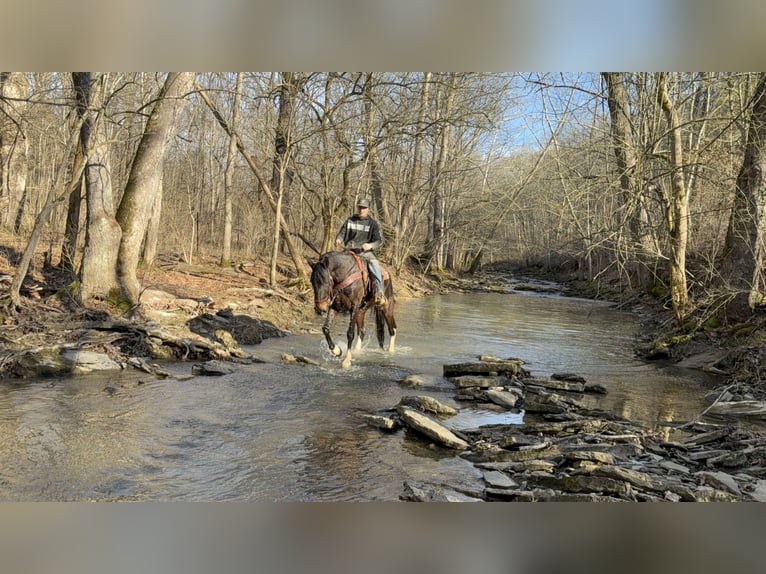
375,239
341,237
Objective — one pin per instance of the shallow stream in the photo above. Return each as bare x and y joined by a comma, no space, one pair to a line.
276,432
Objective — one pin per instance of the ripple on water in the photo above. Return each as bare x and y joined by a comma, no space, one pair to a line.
272,432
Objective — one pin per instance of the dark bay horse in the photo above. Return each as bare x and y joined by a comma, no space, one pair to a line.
342,285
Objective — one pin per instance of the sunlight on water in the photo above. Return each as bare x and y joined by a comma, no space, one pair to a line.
279,432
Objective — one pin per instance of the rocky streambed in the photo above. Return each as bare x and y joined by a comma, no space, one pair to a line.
567,452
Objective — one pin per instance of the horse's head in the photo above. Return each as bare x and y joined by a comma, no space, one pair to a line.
321,282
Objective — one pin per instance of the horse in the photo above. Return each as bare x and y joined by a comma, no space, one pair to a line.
342,284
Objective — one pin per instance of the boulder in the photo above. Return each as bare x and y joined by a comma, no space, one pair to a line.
89,361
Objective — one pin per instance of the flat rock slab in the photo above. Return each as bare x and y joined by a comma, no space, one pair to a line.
212,368
89,361
507,399
497,479
427,404
421,492
478,382
502,367
430,428
703,360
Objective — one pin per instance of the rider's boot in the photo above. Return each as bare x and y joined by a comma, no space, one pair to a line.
380,298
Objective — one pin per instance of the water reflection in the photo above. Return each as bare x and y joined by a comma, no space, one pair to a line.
273,432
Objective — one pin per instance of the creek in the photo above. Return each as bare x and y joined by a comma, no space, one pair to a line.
273,432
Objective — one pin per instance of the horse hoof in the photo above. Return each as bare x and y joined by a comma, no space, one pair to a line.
337,351
346,364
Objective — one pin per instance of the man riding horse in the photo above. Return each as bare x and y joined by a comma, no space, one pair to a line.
361,234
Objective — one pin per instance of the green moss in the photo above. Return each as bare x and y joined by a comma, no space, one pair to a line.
712,323
744,331
70,291
658,292
690,326
115,299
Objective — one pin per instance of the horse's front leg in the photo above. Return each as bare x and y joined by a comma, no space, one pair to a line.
327,335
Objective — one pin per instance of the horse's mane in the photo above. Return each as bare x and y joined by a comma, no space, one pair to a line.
320,273
331,269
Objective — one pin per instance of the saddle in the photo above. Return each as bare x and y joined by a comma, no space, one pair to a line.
364,273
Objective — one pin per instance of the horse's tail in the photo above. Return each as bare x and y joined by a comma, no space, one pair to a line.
380,324
380,312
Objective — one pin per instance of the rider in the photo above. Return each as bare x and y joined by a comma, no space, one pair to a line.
361,234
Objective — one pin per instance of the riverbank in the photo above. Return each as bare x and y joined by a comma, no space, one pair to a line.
204,312
183,302
189,311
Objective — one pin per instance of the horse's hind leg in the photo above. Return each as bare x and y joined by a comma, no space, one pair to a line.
359,321
388,315
391,332
385,318
352,324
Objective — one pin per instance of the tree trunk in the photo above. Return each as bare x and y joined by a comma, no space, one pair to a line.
644,248
102,233
83,83
438,181
149,251
228,177
371,152
144,180
72,229
280,177
743,256
679,204
13,149
280,173
409,201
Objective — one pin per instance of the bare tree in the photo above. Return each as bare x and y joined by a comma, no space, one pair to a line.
228,184
280,176
57,194
102,233
644,248
300,265
744,254
678,208
409,200
144,180
13,147
437,181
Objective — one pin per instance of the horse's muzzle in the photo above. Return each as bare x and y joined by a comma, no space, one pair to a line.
321,307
